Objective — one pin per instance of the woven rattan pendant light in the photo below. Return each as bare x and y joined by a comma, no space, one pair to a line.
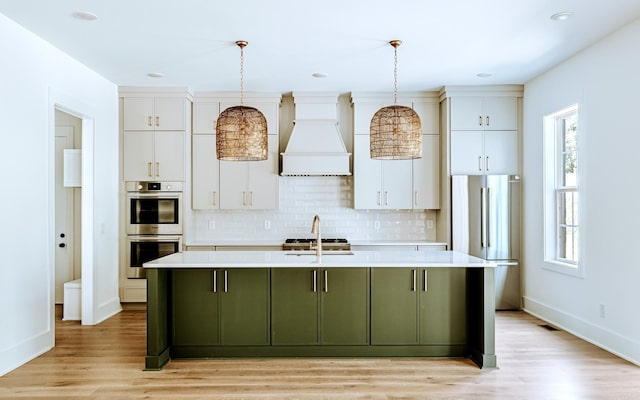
241,132
396,131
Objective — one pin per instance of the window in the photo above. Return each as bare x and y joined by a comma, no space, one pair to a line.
561,189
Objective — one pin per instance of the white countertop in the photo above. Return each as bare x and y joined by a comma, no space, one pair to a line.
289,259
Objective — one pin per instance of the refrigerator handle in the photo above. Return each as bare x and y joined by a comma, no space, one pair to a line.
482,217
488,201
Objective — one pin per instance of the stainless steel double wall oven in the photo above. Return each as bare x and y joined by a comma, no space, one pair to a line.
154,223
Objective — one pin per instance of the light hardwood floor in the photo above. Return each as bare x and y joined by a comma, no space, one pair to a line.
106,361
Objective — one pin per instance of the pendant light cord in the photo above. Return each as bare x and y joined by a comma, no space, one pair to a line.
395,75
241,75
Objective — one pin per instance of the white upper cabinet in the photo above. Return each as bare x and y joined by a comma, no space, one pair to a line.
157,156
154,113
205,116
380,184
426,175
479,153
396,184
205,177
251,184
484,113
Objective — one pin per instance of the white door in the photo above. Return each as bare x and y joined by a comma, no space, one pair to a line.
63,216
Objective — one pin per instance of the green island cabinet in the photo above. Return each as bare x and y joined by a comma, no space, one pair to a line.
418,306
224,307
326,306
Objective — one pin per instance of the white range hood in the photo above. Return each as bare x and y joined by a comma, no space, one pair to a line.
315,147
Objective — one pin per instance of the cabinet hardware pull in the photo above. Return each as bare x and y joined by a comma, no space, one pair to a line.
149,169
488,217
158,168
425,280
413,283
482,217
386,198
326,281
244,198
214,199
157,121
479,163
480,120
226,281
379,198
415,200
314,280
215,281
250,198
149,121
488,120
487,163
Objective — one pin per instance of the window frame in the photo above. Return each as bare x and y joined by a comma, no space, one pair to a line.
556,188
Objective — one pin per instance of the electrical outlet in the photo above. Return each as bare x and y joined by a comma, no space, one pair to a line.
602,315
376,224
212,225
267,224
429,224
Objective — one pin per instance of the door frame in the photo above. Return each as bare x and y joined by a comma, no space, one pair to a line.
73,106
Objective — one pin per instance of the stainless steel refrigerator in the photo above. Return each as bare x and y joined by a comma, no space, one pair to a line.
486,224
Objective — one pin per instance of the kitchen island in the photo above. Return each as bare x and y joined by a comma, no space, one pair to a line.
205,304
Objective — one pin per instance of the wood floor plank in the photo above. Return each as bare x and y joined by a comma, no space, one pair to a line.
106,362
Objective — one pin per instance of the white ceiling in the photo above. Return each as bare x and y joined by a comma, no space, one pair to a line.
445,42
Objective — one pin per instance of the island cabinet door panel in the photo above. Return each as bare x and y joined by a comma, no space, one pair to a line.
195,307
294,306
344,306
443,306
244,306
394,306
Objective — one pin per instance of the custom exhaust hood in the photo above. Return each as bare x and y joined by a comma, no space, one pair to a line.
315,147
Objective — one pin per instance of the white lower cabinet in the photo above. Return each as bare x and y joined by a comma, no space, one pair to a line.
205,185
251,184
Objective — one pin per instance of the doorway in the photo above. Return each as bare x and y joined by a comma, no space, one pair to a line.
68,266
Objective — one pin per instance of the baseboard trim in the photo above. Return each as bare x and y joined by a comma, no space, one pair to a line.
606,339
108,309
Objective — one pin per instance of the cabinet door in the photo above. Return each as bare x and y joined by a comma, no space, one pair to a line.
205,116
138,156
233,184
294,306
467,155
467,114
443,307
394,306
169,155
138,114
367,176
501,152
263,192
426,175
195,307
244,306
205,190
500,113
362,114
429,113
344,306
397,184
169,114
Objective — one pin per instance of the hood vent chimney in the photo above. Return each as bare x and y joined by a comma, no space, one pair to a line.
315,147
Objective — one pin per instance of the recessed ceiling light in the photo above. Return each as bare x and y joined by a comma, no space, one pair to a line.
155,74
562,16
484,74
84,15
319,74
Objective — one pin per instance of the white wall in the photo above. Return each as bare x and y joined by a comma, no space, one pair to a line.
603,81
34,78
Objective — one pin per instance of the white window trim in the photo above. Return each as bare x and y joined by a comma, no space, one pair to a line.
549,200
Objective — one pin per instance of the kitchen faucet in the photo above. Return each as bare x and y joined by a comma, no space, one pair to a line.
315,228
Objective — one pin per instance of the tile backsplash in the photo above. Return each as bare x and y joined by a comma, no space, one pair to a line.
300,199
